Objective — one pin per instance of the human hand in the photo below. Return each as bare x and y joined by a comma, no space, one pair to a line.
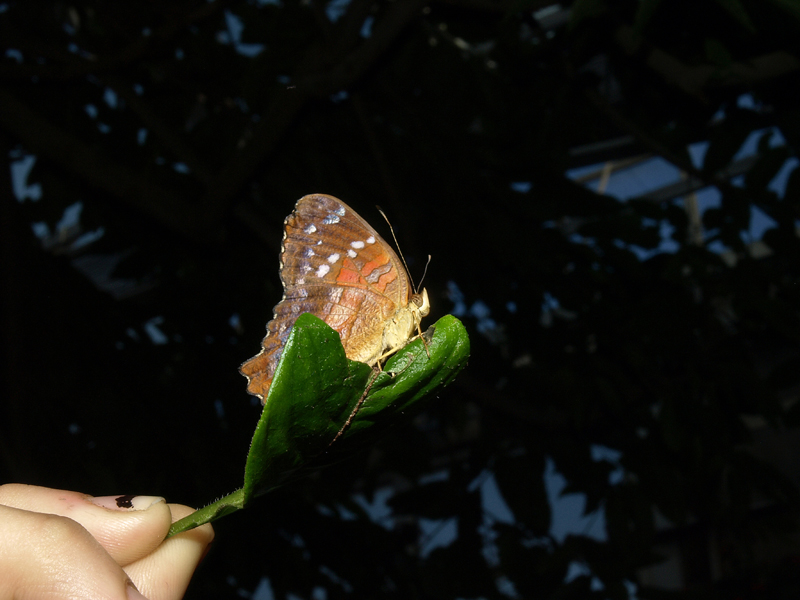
62,544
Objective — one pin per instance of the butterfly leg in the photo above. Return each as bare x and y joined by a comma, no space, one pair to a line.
355,410
411,358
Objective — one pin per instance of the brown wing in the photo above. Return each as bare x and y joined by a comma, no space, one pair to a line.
335,266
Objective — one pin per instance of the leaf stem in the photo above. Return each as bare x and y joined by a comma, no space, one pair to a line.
224,506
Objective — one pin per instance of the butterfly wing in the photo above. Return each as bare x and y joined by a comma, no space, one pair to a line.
335,266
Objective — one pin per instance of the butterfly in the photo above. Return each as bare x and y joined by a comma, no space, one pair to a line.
334,265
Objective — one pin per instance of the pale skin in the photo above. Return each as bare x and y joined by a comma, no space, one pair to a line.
58,544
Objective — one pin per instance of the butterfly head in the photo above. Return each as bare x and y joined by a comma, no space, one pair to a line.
420,303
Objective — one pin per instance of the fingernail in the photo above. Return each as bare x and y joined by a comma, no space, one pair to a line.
126,503
133,593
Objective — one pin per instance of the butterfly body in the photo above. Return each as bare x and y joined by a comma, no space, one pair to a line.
335,265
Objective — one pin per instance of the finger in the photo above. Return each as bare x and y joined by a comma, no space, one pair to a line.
128,527
45,556
165,574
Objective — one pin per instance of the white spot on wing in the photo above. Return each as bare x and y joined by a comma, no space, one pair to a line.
322,270
371,239
309,252
330,220
333,258
352,253
319,242
340,211
310,228
357,244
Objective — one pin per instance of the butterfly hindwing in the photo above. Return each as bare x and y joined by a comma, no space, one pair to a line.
335,266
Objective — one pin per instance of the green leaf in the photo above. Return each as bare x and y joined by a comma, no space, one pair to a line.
411,375
313,393
321,405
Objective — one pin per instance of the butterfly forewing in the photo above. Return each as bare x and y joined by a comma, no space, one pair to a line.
335,266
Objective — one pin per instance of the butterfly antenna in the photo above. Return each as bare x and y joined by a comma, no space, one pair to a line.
396,245
425,272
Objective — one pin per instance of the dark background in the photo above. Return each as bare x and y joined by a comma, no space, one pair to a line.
187,130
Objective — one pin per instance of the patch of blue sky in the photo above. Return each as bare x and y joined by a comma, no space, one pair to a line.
717,247
668,245
345,514
219,408
781,179
494,505
747,101
697,153
567,510
157,337
41,230
521,187
760,222
20,171
549,302
437,533
485,324
578,172
366,27
580,569
71,217
110,98
750,145
234,36
263,591
708,197
441,475
377,508
336,9
604,453
744,101
456,296
320,593
88,238
641,178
